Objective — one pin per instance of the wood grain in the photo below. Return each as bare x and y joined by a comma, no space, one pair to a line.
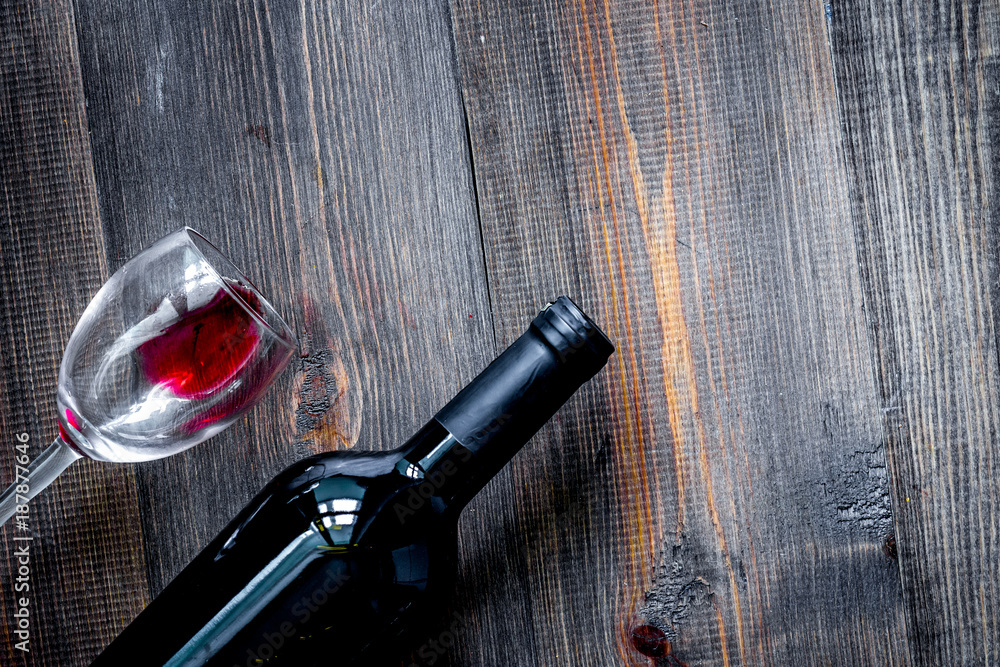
918,92
678,168
322,147
785,215
85,559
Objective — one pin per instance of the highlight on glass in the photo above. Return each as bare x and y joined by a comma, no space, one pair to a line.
175,347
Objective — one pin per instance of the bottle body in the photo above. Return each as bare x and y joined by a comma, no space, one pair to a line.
343,556
334,562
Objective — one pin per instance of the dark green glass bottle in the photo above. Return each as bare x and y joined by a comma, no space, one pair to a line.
343,557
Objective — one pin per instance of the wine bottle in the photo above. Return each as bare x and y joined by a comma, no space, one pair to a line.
344,556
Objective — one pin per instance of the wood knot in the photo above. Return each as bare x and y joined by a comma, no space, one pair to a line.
889,547
326,404
650,641
261,133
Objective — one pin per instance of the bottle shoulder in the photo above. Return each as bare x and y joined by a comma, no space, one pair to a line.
350,498
361,464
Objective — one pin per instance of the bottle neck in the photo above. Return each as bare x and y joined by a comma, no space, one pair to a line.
480,430
440,467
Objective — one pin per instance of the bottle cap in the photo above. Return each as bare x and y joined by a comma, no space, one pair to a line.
570,333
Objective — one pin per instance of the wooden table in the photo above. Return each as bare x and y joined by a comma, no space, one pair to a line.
785,214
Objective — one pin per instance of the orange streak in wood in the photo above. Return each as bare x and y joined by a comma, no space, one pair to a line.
722,637
634,468
703,458
680,382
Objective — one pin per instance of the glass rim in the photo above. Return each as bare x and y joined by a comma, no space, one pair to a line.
285,336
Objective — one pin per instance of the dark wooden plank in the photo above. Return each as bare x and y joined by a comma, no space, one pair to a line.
918,89
677,167
322,147
51,263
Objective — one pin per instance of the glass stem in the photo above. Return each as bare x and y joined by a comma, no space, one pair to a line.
39,474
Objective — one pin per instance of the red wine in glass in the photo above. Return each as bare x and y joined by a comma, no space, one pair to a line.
203,350
173,348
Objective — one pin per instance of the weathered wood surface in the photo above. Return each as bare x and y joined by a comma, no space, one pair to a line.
681,167
85,559
784,215
919,90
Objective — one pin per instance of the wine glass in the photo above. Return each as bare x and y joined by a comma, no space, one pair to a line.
173,349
